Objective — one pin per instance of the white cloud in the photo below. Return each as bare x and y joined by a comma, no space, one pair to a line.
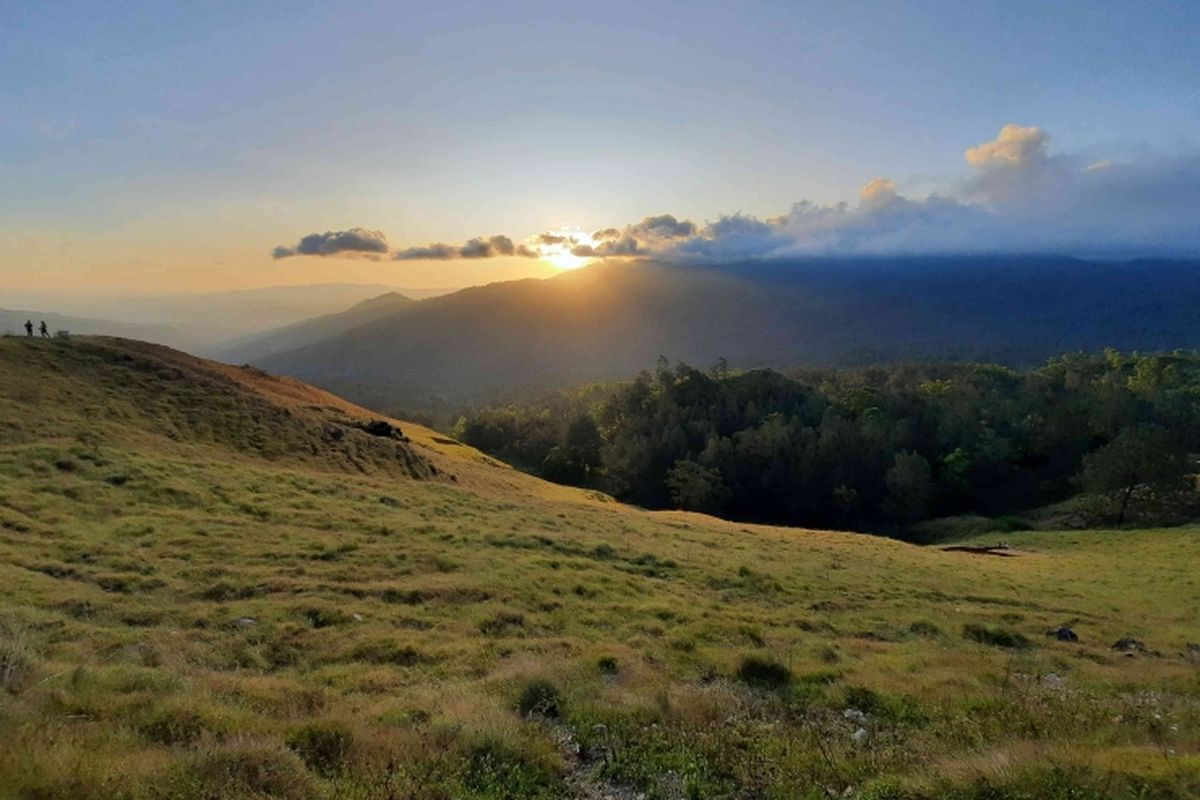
1016,146
1019,197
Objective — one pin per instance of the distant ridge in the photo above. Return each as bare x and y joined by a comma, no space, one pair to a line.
309,331
611,320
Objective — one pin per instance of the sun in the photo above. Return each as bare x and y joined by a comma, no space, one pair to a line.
557,247
566,260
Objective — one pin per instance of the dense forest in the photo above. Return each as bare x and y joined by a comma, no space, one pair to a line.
877,448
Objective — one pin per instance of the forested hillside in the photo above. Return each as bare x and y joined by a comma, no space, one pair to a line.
874,448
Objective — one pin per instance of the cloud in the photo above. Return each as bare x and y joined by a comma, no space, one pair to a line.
664,226
1018,196
478,247
1016,146
433,252
651,235
356,241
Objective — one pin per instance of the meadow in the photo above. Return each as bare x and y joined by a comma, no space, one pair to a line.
219,584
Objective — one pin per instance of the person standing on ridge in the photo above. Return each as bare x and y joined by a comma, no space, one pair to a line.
29,328
44,331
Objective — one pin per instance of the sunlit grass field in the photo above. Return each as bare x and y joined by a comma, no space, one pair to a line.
206,591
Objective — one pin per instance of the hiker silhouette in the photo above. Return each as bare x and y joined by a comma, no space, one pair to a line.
45,332
29,327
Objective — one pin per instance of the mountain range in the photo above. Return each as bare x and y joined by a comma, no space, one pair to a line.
609,320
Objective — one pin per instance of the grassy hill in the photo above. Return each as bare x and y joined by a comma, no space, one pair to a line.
218,584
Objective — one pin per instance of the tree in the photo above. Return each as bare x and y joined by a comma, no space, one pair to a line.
697,488
559,467
1144,456
583,442
910,485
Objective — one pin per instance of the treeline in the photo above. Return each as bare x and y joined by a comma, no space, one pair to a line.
872,448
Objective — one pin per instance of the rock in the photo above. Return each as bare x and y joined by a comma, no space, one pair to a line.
1054,681
1192,652
1128,644
379,427
1063,634
860,736
357,617
246,622
854,715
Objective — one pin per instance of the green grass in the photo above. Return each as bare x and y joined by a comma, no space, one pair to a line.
189,616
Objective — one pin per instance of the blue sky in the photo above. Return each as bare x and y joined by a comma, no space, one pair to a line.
175,144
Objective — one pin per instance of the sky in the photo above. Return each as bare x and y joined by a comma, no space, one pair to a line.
189,147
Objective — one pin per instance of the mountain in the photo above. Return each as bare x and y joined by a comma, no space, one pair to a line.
217,583
310,331
610,320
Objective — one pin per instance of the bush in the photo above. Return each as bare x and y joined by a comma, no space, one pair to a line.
17,663
320,617
322,746
386,651
501,624
540,697
924,628
497,768
173,725
240,769
996,637
898,709
763,673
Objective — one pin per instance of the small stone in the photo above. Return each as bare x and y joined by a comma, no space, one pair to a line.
854,715
1129,645
1054,681
1063,634
357,617
246,622
860,736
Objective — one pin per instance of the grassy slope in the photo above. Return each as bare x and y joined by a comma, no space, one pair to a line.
192,573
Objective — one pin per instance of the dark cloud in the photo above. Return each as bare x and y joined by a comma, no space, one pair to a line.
625,245
432,252
476,248
356,241
664,226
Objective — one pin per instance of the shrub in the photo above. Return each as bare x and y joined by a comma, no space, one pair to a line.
898,709
243,768
497,768
763,673
173,725
325,617
996,637
222,591
501,624
17,663
540,697
924,628
323,746
386,651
